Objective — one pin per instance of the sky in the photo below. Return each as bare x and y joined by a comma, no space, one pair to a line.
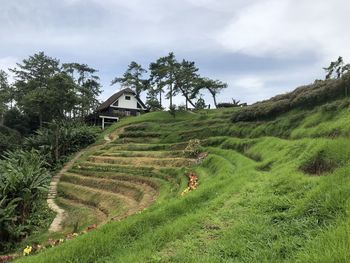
259,47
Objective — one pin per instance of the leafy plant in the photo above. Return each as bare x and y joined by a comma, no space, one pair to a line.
23,180
172,110
9,139
60,139
193,148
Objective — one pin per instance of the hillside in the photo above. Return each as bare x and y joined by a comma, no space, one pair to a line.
271,189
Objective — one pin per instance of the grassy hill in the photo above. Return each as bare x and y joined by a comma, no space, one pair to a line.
274,188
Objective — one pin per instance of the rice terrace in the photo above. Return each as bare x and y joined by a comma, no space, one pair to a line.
234,148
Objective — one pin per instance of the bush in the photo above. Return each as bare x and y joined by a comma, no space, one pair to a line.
303,97
230,105
193,149
23,182
18,121
9,139
60,139
139,134
172,110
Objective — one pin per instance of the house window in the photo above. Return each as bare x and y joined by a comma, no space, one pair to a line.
139,106
127,98
116,103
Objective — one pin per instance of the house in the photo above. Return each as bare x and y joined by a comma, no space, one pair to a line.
123,103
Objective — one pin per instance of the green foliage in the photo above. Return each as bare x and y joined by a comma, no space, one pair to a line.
193,149
5,93
23,181
48,91
200,104
132,78
213,86
253,203
18,121
172,110
9,139
180,78
302,97
233,104
135,134
153,104
61,139
337,69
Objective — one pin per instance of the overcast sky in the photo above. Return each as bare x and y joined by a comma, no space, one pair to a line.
259,47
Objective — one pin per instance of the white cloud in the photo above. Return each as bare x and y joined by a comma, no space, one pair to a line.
286,28
108,34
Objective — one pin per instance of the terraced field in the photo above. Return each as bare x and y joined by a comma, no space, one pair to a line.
269,191
119,179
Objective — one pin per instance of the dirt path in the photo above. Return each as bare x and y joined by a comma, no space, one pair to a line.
149,193
56,224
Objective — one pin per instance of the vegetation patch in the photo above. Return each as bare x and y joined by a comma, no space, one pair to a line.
193,149
139,134
265,166
319,164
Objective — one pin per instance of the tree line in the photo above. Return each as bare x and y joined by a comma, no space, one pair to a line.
45,90
168,77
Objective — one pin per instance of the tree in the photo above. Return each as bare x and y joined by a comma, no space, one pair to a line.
32,80
156,81
172,110
15,119
4,93
152,101
213,86
200,104
87,87
163,75
336,69
132,78
61,95
186,78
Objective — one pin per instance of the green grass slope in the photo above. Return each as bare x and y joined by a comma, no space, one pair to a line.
270,190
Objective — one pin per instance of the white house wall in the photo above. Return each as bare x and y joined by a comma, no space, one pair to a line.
128,104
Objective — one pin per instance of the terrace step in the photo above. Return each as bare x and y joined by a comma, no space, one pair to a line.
144,161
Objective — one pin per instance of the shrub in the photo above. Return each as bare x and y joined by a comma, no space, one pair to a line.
23,181
230,105
60,139
319,164
138,134
303,97
193,149
9,139
172,110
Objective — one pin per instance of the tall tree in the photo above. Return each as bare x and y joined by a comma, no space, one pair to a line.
32,78
186,78
4,94
336,69
157,75
163,75
152,101
87,86
132,78
213,86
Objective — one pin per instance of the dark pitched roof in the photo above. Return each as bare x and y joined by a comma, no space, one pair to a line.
115,96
